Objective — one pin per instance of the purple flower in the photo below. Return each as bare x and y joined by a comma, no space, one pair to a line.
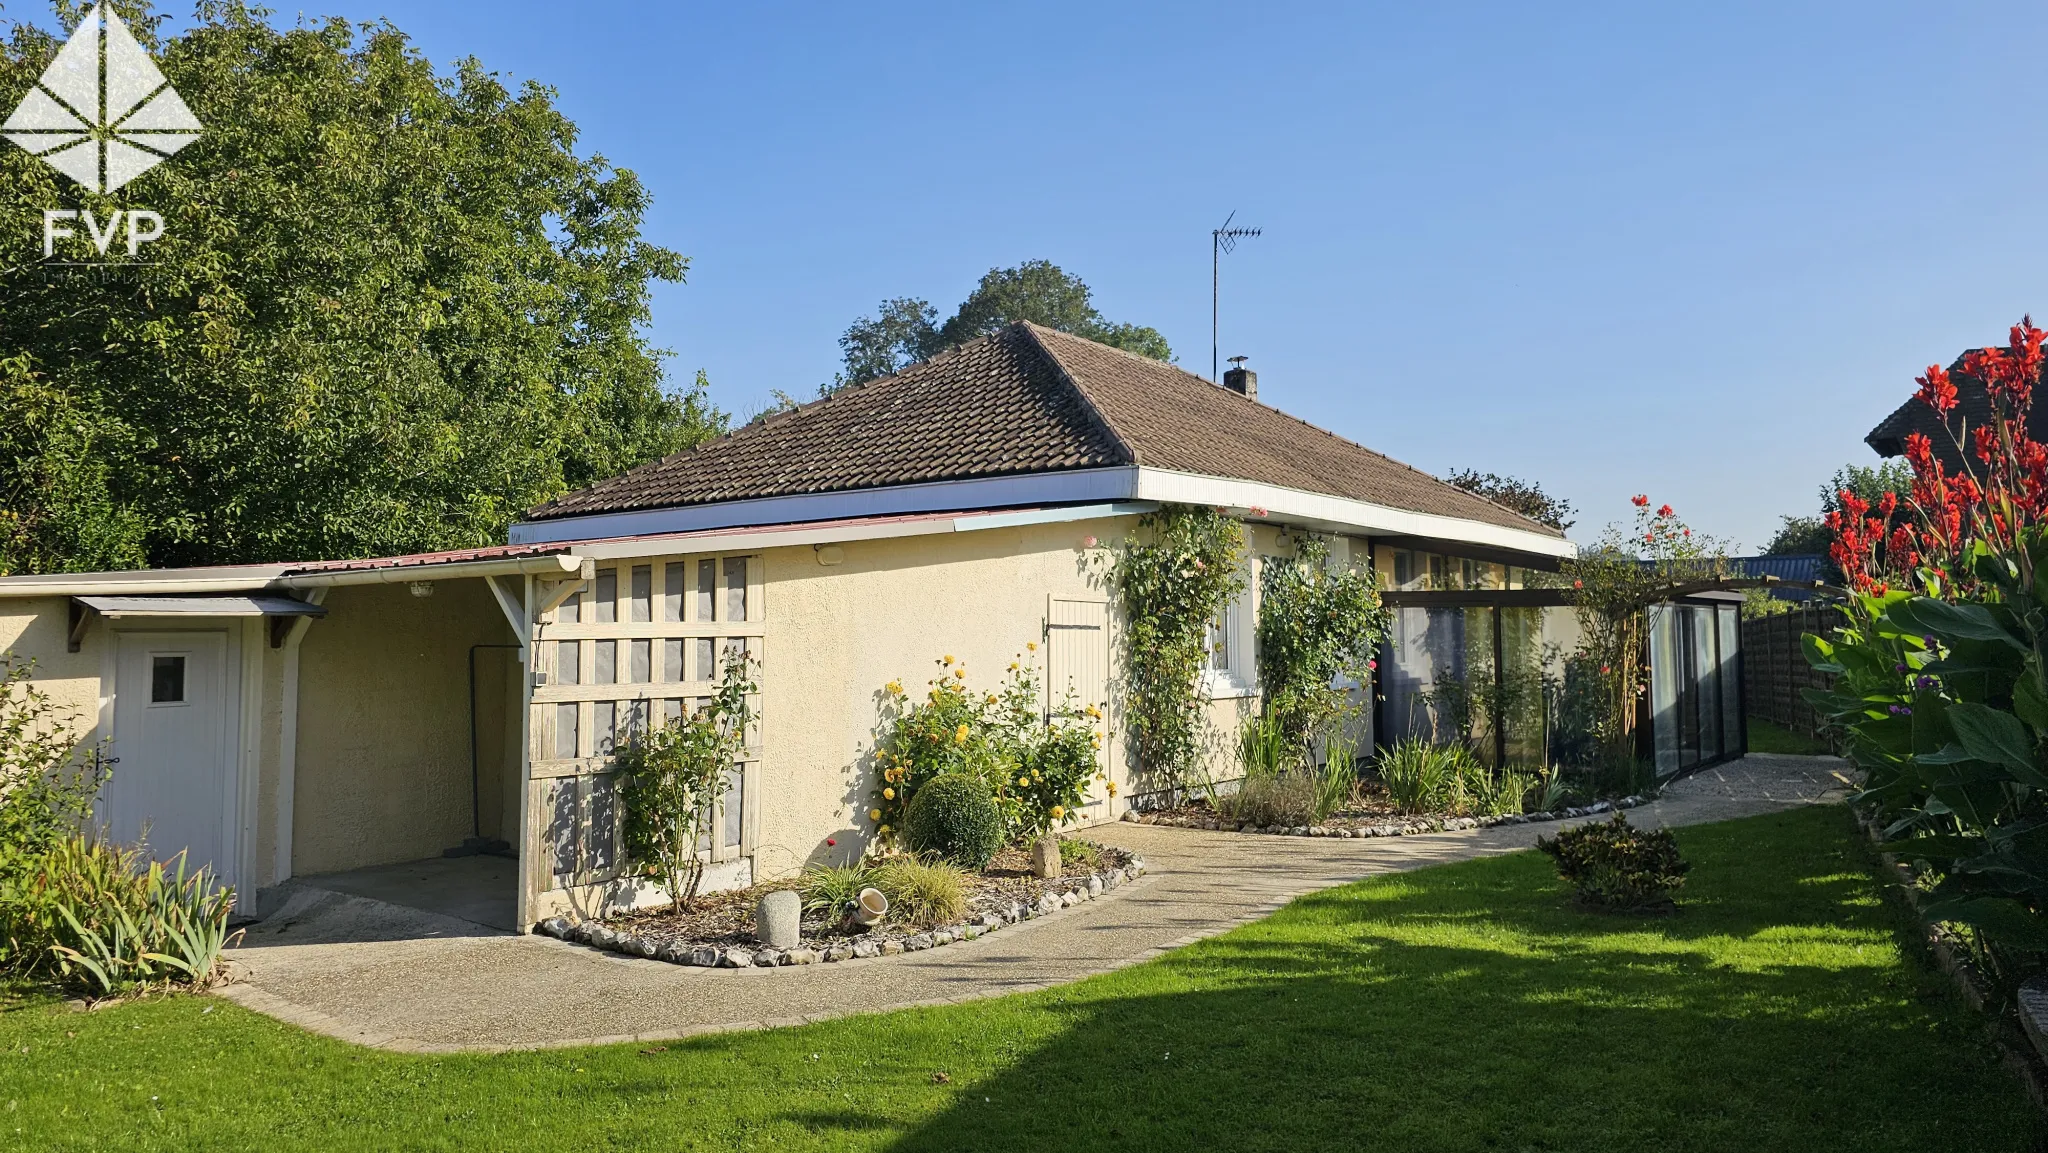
1923,682
1900,667
1900,710
1930,642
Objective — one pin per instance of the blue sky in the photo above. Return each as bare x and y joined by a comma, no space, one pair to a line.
1689,250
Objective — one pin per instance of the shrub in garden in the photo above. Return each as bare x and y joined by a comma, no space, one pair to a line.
1038,767
1617,865
833,890
116,922
1419,775
1939,694
1318,627
955,817
672,777
922,893
1287,799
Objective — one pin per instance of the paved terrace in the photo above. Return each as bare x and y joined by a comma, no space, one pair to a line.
397,978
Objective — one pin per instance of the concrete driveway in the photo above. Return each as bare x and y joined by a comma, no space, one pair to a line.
384,975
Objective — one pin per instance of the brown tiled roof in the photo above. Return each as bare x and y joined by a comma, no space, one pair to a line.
1022,400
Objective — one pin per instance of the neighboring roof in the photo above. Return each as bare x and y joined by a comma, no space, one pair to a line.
1973,407
1026,400
1795,569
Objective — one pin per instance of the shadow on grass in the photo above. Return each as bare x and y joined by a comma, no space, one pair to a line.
1469,1008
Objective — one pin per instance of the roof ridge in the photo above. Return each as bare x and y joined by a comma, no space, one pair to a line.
1339,437
1129,450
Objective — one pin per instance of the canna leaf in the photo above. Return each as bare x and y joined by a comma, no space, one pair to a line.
1998,737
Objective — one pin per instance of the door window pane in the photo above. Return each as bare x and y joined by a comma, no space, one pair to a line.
643,593
707,590
735,588
167,680
607,596
672,592
566,663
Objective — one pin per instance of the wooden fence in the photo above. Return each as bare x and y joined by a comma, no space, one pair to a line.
1774,666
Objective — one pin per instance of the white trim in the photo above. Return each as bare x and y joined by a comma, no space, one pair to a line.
754,540
1112,491
288,746
1336,513
255,578
1074,486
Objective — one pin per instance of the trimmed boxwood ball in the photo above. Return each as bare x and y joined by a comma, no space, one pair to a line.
954,815
1616,865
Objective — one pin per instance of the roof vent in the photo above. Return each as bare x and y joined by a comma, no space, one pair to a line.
1240,379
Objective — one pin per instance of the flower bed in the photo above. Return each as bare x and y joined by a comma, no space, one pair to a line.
1199,815
719,931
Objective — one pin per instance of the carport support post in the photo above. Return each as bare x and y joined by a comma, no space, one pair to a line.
529,857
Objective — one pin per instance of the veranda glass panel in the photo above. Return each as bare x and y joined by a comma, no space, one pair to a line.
707,590
604,728
600,853
735,805
565,730
735,588
642,662
570,609
566,662
672,660
561,834
672,592
606,666
1731,680
1705,633
643,593
1522,684
1423,669
607,597
1665,675
707,662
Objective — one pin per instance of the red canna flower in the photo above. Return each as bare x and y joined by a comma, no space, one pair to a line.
1664,510
1641,501
1937,390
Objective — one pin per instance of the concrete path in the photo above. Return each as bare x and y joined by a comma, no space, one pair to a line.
410,980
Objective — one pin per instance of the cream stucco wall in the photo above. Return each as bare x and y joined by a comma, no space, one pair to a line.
888,610
37,629
383,736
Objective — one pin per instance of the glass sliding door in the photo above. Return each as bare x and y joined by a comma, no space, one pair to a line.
1734,738
1667,670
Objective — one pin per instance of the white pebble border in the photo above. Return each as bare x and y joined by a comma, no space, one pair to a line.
887,943
1405,828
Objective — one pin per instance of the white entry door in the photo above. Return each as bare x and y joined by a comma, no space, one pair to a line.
1077,673
174,784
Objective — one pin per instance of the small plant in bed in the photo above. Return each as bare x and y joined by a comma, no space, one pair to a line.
1618,867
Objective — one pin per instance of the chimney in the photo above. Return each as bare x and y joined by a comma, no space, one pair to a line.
1240,379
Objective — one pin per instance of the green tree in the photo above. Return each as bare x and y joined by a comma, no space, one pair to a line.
1523,496
905,331
392,308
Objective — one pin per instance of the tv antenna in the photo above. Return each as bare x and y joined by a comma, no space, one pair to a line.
1221,240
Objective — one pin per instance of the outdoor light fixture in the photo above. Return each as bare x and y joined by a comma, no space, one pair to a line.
420,589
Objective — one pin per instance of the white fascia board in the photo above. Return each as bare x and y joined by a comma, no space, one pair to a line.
173,581
1076,486
784,536
1336,513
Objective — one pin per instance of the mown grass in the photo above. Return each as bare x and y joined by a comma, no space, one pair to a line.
1460,1007
1771,737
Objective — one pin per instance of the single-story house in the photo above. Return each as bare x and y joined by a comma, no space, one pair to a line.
289,720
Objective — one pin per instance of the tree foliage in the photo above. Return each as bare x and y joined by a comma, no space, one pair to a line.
392,308
1523,496
906,330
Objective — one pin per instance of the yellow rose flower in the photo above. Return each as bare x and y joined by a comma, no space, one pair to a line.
883,831
960,734
874,814
888,794
961,672
1058,811
895,688
1112,788
949,658
1023,782
1013,666
1032,645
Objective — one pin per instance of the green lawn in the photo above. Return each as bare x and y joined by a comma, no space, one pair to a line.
1771,737
1461,1007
